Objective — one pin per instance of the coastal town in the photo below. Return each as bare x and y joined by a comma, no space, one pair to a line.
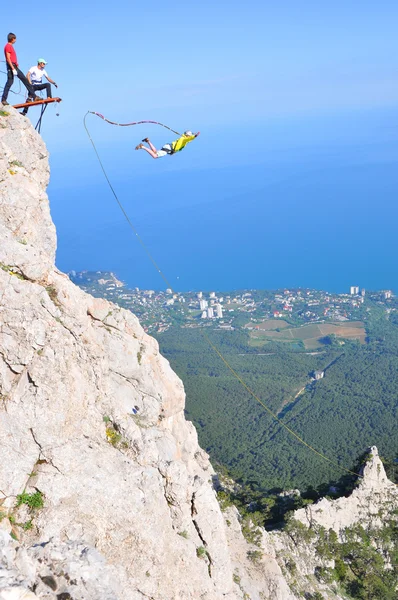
159,310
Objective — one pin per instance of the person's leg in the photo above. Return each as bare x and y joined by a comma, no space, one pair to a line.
25,110
43,86
26,83
152,147
152,150
30,95
29,99
7,87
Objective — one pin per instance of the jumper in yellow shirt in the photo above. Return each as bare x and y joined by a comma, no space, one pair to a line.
182,141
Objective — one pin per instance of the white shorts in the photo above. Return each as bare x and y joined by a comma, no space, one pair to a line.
166,149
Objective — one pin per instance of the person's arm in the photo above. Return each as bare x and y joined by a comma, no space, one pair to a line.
196,134
28,77
50,80
8,59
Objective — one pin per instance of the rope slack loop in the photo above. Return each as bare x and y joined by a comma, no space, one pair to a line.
132,123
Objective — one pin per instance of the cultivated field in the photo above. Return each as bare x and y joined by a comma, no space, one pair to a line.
269,325
310,335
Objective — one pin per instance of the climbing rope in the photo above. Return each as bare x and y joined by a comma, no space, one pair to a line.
204,335
117,199
19,92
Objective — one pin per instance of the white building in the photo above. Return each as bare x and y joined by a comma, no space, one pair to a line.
204,314
210,313
319,375
212,294
199,295
354,290
219,311
203,304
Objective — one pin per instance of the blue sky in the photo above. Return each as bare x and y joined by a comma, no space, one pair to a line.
281,94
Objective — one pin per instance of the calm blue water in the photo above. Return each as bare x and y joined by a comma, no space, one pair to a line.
321,215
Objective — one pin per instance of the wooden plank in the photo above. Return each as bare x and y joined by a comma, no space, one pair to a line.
37,102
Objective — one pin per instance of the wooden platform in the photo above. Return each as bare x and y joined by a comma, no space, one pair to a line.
37,102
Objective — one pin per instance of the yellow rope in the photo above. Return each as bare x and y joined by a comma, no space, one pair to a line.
293,433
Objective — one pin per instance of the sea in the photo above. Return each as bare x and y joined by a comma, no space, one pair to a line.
296,212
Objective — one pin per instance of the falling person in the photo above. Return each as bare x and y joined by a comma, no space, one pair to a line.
170,148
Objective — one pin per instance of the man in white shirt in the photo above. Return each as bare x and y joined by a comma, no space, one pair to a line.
35,78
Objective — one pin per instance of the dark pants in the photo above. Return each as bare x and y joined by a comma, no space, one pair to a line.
10,81
43,86
37,88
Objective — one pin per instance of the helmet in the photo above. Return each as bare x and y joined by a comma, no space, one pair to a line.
41,60
188,132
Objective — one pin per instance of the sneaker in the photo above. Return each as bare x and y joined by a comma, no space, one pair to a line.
24,114
5,103
37,99
28,99
139,147
146,140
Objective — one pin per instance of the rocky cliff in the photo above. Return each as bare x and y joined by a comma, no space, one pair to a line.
359,530
105,493
370,503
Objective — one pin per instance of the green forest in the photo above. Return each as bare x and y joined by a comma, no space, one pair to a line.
353,407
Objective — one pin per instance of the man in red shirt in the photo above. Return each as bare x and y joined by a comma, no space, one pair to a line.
13,69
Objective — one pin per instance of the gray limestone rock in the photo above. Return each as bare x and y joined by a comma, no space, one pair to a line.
370,501
27,232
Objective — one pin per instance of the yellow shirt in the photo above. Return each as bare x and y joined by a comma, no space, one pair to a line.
182,141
